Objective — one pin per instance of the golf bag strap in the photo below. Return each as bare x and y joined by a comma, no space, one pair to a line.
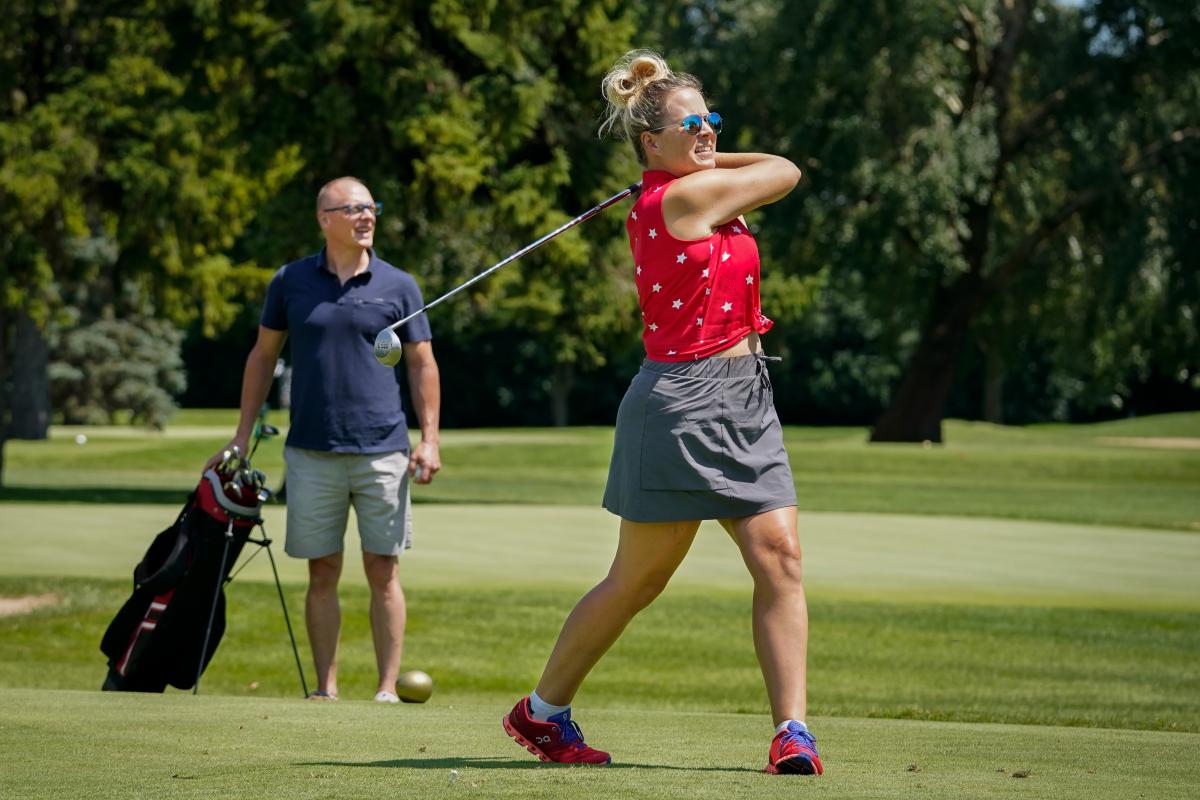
173,564
149,623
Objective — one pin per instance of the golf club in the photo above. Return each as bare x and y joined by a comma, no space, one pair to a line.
387,343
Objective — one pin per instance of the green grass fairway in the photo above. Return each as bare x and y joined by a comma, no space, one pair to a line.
1112,474
1015,614
897,557
691,650
184,747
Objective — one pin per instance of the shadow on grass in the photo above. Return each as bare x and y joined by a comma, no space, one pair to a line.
170,497
93,494
447,500
500,763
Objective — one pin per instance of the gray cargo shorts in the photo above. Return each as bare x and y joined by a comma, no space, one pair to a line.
321,488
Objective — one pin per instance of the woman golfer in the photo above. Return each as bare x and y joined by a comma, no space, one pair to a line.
697,436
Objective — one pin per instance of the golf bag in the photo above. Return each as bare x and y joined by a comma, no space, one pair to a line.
167,631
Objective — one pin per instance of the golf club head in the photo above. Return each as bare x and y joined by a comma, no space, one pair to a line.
387,348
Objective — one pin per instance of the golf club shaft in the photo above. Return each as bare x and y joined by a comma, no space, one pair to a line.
526,249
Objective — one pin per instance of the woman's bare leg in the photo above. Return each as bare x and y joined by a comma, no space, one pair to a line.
770,546
647,556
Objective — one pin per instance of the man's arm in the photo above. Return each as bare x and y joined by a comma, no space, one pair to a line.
256,382
424,383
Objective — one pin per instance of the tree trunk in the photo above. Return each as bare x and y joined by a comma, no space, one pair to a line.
31,385
560,393
993,385
4,339
916,411
919,403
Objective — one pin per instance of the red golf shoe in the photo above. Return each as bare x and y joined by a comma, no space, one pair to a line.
558,740
794,752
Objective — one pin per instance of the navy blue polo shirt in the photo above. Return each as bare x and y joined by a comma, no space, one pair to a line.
343,400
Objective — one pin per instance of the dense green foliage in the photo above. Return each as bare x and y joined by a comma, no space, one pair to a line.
997,218
118,371
1000,189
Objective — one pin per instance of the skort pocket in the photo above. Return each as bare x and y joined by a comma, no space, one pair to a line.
682,447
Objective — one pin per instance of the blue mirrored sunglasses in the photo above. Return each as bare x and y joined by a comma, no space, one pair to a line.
694,123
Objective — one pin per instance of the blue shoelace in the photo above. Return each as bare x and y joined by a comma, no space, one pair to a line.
568,728
806,738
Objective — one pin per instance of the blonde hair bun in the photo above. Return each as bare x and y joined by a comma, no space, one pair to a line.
630,76
635,88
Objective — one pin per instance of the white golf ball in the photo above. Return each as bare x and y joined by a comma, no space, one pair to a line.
80,438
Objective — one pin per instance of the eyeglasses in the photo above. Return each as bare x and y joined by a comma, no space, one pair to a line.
692,124
358,209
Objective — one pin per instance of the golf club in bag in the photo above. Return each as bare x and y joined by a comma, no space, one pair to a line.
387,343
167,631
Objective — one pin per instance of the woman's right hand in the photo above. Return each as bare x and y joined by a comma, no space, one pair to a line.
698,203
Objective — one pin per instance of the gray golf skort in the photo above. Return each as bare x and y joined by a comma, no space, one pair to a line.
699,440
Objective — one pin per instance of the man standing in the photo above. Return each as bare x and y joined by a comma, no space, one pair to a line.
348,443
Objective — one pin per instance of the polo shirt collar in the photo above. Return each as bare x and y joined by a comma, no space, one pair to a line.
323,267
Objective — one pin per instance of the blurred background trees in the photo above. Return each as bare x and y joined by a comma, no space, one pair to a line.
991,187
998,218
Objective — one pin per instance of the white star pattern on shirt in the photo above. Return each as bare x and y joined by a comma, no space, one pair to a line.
656,287
710,248
677,304
727,307
639,270
679,259
670,352
749,279
657,188
708,291
704,274
653,233
653,327
725,256
699,320
634,215
736,229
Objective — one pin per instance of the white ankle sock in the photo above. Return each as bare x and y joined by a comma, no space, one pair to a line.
781,727
541,711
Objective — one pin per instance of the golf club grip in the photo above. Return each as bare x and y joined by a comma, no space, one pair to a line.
591,212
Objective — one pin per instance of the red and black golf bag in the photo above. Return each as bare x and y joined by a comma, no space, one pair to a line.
167,631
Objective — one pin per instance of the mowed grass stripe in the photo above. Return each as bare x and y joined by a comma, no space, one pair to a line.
1088,474
863,556
691,650
191,747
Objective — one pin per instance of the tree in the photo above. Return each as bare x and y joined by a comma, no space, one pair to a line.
124,177
475,123
117,370
962,156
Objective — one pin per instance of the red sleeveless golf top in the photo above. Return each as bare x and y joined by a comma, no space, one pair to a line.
698,297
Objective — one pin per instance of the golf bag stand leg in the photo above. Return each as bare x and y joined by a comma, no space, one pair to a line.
266,544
